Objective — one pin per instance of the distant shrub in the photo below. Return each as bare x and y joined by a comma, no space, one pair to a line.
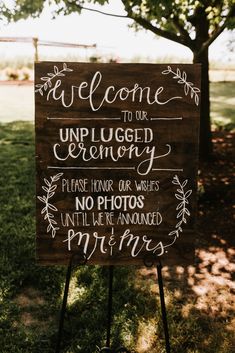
95,59
25,74
12,74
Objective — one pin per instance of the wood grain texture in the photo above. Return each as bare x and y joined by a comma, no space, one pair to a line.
116,161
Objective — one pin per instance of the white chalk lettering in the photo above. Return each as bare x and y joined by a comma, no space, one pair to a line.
134,94
92,243
147,154
140,218
119,134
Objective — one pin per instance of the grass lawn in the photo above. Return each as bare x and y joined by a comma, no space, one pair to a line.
223,104
19,315
199,299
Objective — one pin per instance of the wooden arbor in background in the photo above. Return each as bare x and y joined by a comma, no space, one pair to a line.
37,42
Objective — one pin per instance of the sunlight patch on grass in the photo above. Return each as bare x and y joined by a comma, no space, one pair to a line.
75,291
28,297
146,336
214,285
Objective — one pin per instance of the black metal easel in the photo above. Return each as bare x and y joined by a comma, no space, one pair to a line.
80,260
150,261
109,313
107,348
163,307
63,307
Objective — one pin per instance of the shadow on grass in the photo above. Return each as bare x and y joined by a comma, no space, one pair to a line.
199,299
87,314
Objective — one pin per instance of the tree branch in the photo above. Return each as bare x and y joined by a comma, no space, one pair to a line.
205,3
144,23
158,31
218,31
183,32
100,12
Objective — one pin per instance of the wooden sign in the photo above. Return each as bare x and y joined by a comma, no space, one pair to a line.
116,160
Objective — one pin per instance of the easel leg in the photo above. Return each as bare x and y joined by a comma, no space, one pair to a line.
110,306
107,348
63,308
163,307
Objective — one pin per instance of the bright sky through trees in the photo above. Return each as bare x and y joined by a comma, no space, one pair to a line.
111,34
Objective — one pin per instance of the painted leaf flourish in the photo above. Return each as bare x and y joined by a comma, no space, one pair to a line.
182,195
47,80
182,79
46,211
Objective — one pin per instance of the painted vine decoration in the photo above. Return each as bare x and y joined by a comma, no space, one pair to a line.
42,87
183,212
50,188
182,79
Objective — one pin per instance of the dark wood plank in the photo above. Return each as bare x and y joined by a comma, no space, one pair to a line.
116,161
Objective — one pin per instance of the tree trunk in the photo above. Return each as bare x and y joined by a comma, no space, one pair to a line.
205,145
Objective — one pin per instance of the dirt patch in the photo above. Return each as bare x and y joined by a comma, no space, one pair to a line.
31,304
28,320
29,297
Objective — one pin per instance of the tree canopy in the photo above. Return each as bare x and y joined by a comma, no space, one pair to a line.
174,20
179,20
